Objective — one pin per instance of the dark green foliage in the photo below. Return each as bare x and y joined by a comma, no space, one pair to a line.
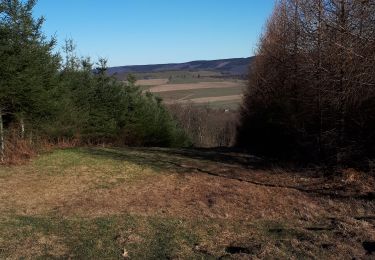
103,109
28,68
71,100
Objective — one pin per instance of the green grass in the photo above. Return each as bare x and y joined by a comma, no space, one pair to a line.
76,160
99,238
146,238
142,237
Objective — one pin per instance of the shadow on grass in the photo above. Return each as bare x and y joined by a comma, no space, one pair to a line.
219,162
179,160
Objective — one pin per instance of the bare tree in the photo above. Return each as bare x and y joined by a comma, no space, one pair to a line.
206,127
311,90
2,139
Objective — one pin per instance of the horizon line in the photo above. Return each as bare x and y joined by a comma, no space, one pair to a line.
171,63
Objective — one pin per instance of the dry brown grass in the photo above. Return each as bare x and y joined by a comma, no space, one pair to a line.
20,150
17,150
37,245
196,194
236,193
100,183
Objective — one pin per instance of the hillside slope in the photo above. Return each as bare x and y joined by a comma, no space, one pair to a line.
237,66
97,203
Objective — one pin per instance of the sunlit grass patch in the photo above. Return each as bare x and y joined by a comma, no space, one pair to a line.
80,161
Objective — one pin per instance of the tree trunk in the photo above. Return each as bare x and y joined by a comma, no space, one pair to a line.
342,106
2,140
22,123
319,81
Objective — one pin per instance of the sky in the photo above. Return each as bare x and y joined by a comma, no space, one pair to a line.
135,32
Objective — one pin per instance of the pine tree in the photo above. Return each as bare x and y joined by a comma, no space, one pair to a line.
31,69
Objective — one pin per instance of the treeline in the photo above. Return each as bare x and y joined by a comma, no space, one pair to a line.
206,127
46,96
311,95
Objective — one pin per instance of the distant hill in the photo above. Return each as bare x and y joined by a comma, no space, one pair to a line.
226,67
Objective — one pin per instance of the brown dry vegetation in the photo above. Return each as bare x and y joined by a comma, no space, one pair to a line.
204,126
311,90
163,203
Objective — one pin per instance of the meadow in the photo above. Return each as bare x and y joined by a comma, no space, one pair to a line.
155,203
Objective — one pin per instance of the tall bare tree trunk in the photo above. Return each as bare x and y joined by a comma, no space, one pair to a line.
342,97
319,80
2,140
295,57
22,123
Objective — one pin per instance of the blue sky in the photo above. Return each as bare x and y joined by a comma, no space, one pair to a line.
130,32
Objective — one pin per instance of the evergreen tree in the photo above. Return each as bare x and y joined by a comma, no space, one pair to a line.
70,100
30,70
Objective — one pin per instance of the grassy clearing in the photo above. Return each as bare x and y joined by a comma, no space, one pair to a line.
92,203
77,162
99,238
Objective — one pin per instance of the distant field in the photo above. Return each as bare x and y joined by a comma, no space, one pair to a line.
198,87
152,82
201,85
217,94
211,99
200,93
178,74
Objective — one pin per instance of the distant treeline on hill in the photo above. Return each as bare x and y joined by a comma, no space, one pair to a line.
235,68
